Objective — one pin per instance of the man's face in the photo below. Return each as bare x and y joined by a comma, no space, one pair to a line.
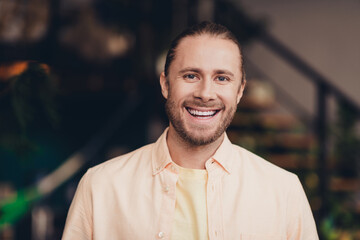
203,88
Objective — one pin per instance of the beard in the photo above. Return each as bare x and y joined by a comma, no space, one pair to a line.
190,137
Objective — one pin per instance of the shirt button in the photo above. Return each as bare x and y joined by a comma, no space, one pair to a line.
161,235
166,189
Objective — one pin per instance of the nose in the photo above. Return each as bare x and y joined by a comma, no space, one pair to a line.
205,90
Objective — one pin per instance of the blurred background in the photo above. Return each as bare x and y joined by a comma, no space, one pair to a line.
79,85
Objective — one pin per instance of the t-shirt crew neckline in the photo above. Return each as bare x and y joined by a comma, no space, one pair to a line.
191,173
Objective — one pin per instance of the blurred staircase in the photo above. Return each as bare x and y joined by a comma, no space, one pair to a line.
263,127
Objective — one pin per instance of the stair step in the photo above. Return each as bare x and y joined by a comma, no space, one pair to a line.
338,184
292,161
267,121
290,140
285,141
258,95
252,104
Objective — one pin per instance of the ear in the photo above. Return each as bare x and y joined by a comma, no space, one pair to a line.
164,85
241,91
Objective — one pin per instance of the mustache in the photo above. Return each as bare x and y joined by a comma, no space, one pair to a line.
199,103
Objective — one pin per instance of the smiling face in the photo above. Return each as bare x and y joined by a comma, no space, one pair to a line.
203,88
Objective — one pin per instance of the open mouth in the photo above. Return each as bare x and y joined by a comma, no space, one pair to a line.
202,114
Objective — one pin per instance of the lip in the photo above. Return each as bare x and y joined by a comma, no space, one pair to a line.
202,108
202,114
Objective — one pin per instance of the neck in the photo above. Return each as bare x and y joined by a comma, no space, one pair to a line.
187,155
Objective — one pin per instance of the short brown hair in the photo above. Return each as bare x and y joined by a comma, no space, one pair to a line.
203,28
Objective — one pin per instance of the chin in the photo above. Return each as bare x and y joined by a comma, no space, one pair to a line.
200,138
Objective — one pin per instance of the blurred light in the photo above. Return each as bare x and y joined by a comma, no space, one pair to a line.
260,93
160,63
61,174
23,21
7,233
42,222
14,69
6,190
312,181
117,45
95,41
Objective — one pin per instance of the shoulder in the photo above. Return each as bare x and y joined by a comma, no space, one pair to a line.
137,160
262,169
275,190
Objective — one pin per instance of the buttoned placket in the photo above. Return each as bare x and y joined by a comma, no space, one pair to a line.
168,177
214,200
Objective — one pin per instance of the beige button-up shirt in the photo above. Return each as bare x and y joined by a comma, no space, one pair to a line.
133,197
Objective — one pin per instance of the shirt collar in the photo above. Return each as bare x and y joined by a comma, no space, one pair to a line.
161,155
223,155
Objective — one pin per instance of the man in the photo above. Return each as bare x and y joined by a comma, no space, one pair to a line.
193,183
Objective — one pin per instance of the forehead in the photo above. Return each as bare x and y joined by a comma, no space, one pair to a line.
207,53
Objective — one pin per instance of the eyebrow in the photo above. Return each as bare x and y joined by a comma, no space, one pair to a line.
189,69
220,71
197,70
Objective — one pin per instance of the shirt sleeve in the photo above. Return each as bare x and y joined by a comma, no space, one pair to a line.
300,224
79,219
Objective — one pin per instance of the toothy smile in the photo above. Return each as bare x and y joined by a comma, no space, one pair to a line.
202,114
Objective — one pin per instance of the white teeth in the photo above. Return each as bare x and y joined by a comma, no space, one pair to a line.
201,113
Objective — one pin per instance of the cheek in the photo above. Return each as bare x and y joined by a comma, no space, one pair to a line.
181,91
230,97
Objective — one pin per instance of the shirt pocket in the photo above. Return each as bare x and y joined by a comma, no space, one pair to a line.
261,237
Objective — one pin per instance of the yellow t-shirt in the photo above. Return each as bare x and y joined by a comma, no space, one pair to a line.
190,218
